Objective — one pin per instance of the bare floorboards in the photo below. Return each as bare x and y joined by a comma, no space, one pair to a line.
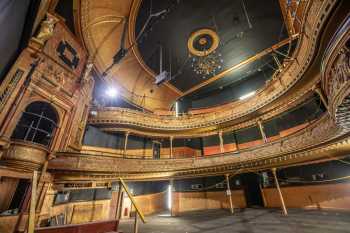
245,221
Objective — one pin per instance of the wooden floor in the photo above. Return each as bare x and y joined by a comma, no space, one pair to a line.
246,221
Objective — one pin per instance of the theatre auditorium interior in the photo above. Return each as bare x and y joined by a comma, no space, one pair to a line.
174,116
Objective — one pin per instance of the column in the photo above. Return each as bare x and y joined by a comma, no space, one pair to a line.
41,188
228,193
261,127
221,142
126,143
284,209
31,218
171,146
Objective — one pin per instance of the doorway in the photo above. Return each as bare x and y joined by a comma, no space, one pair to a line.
156,150
19,195
250,182
167,201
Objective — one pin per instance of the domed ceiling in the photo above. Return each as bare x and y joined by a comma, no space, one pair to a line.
101,26
200,41
213,51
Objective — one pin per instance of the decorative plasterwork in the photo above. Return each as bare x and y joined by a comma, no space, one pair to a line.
131,68
316,13
102,26
336,74
321,140
144,124
213,44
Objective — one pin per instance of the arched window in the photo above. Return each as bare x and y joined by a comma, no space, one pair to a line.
37,124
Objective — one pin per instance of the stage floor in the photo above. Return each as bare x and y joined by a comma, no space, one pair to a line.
245,221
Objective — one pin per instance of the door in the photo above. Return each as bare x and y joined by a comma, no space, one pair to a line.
156,150
250,182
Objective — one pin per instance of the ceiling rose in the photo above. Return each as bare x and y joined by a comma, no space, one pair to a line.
203,42
202,46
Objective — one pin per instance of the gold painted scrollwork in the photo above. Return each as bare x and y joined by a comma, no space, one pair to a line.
206,31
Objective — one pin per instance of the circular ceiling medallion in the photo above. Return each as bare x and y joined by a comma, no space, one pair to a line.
203,42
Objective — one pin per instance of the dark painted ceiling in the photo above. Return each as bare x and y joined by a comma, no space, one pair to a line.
65,9
238,40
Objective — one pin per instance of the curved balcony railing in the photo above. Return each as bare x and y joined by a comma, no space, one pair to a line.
336,75
307,144
315,16
325,138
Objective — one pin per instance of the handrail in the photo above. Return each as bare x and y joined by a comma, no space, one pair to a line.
132,200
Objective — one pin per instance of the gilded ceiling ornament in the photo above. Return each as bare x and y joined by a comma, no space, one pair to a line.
203,42
202,45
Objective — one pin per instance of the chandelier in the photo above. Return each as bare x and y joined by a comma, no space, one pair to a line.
205,60
207,65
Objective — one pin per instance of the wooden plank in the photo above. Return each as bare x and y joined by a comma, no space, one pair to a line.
133,200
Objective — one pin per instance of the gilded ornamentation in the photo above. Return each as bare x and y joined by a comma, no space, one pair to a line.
292,150
114,117
292,73
314,17
66,50
340,72
46,29
8,86
57,76
336,75
207,39
24,155
87,71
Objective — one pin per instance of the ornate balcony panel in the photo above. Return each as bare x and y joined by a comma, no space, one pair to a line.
267,103
336,75
319,141
139,123
25,155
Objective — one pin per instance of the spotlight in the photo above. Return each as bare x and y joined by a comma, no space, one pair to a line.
111,92
247,95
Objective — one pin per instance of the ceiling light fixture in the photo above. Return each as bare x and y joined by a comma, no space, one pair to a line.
246,96
202,46
207,65
111,92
